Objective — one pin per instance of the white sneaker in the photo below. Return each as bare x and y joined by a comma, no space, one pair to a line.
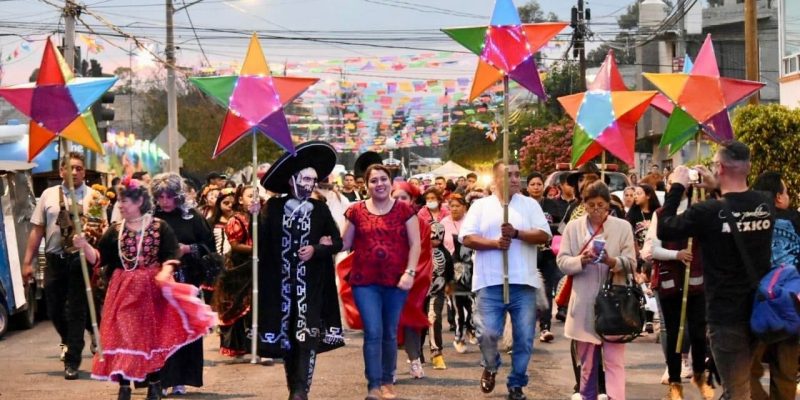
686,368
665,377
602,397
180,389
460,347
575,396
416,369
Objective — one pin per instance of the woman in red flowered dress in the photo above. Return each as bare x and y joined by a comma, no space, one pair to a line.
147,316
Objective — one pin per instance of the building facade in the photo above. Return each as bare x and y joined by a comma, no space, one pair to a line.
789,48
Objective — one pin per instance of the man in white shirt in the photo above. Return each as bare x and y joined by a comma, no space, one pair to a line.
64,287
484,231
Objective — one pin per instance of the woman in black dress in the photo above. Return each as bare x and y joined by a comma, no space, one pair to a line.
185,367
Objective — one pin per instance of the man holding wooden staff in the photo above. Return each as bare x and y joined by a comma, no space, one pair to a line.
484,231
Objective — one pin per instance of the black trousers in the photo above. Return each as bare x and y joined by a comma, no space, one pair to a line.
66,303
551,275
299,366
434,307
464,303
696,325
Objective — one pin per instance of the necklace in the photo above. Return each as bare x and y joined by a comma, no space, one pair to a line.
138,245
137,219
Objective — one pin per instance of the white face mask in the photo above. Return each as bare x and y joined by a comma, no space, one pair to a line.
433,204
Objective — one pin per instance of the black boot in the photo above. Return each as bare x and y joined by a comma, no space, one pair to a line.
124,393
153,391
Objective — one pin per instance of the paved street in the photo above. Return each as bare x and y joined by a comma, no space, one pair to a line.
30,370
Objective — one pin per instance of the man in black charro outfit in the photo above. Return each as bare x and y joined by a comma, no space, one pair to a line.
299,310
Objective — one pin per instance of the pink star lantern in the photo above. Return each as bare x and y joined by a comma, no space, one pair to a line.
254,99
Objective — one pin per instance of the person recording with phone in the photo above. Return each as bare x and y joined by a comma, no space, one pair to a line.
729,287
594,245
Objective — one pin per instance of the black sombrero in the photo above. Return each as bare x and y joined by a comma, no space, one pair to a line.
587,168
314,154
364,161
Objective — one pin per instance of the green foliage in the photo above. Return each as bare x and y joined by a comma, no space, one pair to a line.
199,121
468,145
771,132
623,51
544,147
562,79
532,12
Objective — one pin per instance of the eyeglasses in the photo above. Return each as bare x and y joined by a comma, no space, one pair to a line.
595,208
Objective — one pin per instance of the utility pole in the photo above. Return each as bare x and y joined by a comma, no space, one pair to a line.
578,21
751,45
71,11
172,99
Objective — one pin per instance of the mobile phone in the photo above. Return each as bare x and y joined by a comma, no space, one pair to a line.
598,246
694,176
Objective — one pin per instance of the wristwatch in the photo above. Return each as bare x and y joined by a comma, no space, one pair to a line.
411,272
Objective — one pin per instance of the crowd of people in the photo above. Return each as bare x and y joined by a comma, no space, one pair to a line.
404,256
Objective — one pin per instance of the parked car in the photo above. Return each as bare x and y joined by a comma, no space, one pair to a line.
617,180
18,302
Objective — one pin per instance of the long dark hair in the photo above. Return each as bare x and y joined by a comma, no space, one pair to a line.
652,199
216,212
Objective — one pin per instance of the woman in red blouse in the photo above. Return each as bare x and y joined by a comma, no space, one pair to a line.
385,236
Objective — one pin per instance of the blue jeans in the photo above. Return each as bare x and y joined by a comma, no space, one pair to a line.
490,313
380,308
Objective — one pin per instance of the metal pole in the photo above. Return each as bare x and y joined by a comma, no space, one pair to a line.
505,185
603,166
254,335
751,45
582,48
70,11
172,100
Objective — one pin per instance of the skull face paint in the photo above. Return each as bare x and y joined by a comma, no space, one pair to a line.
303,183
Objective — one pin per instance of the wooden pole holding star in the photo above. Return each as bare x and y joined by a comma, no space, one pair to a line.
254,100
506,48
58,105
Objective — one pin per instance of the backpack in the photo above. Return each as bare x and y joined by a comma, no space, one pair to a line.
776,304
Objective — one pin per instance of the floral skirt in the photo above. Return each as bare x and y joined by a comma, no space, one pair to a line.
145,321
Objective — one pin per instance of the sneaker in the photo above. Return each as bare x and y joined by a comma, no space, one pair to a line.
575,396
700,381
179,390
472,338
675,392
686,368
602,396
515,393
665,377
648,327
546,336
561,314
387,392
460,347
373,394
416,370
63,354
438,362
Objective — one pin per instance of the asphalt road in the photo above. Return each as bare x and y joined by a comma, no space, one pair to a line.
29,369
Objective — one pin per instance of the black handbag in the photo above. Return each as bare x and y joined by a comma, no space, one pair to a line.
619,313
211,264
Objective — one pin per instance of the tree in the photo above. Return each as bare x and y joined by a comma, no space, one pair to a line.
771,131
532,12
562,79
468,145
545,147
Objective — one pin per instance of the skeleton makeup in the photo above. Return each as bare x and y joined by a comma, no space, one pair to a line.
303,183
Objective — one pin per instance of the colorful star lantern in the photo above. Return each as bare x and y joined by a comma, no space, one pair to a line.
606,115
702,98
58,103
254,99
506,47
